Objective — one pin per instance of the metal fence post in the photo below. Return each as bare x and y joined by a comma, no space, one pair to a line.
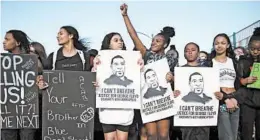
234,40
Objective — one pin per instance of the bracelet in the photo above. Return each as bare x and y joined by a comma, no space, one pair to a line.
124,15
227,96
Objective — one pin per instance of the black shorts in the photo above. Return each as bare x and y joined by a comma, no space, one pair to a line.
168,118
107,128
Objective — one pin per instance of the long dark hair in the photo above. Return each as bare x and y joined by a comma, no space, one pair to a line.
229,52
80,44
22,39
40,51
107,39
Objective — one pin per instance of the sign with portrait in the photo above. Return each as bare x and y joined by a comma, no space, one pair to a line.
157,94
197,103
118,77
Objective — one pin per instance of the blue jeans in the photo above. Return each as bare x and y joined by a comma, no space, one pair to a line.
228,125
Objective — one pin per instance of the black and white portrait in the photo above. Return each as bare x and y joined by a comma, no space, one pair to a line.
197,103
157,95
118,77
196,94
154,89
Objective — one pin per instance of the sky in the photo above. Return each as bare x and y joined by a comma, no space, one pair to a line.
194,21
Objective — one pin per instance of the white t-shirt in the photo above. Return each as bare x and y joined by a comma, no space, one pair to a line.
227,72
116,116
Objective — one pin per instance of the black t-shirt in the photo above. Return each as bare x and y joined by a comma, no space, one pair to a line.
73,63
251,96
199,65
151,57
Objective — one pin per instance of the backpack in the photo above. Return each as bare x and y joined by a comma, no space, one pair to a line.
81,54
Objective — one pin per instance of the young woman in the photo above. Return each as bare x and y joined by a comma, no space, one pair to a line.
191,54
157,129
251,107
17,42
116,126
223,58
71,55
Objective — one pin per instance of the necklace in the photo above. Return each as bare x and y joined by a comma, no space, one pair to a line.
222,61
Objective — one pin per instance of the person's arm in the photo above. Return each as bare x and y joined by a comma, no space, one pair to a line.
243,73
49,62
131,30
248,80
227,96
87,61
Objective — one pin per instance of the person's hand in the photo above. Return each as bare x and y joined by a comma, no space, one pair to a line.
123,9
94,69
169,77
251,79
218,95
176,93
96,62
140,62
95,83
234,101
41,83
230,105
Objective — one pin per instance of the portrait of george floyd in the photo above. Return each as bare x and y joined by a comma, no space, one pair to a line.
118,74
154,88
117,66
196,93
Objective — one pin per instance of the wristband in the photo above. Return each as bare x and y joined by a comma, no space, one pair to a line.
227,96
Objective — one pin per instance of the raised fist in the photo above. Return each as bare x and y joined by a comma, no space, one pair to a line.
123,9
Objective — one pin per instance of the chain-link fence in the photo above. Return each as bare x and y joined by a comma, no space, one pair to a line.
242,37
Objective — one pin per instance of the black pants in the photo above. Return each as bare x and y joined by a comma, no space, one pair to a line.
12,134
250,116
133,132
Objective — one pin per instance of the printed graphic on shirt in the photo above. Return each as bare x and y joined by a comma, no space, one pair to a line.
69,65
227,74
152,57
171,59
